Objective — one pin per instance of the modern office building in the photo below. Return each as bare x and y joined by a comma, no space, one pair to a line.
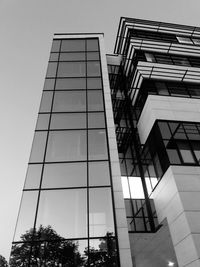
114,172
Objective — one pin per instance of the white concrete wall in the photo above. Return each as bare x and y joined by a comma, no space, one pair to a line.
177,198
166,108
122,228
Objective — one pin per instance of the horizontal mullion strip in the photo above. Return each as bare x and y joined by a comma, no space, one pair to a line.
72,161
70,129
65,188
69,112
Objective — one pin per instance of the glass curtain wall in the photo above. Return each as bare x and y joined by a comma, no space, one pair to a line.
66,214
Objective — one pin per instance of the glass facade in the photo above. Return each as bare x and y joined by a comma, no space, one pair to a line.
66,216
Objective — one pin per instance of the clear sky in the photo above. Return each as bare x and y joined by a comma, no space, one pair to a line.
26,31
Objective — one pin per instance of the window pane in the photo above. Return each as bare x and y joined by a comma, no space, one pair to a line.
164,129
65,175
186,153
42,122
71,69
51,70
54,57
97,144
65,211
66,146
49,84
72,56
93,68
68,121
69,101
33,176
55,46
94,83
45,105
73,45
99,173
136,188
96,120
26,216
95,101
38,147
173,156
100,212
92,45
93,56
70,83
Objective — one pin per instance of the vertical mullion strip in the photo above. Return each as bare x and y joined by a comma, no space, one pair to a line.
34,227
88,215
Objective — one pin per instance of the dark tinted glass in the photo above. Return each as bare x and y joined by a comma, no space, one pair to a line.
33,176
51,70
54,57
42,122
100,212
38,147
26,216
45,105
64,175
49,84
96,120
97,144
95,100
58,208
92,45
73,45
93,56
69,101
93,68
68,121
71,69
55,46
72,56
99,173
94,83
70,83
66,146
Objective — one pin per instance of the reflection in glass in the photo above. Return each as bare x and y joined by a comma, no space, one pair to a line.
26,214
185,151
51,69
73,45
94,83
70,83
92,45
67,101
93,68
103,251
95,100
49,84
38,147
72,69
64,175
33,176
66,146
45,105
68,121
42,122
99,173
72,56
96,120
65,211
100,211
97,144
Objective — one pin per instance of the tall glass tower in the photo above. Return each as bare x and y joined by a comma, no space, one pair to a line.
114,172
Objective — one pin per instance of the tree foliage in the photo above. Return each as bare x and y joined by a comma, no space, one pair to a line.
3,262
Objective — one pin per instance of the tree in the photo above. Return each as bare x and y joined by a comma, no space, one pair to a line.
46,249
3,262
